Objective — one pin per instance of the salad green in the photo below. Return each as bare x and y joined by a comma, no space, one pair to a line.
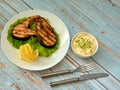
83,43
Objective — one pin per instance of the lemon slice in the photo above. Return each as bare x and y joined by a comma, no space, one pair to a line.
27,53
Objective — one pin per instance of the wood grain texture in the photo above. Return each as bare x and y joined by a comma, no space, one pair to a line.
98,17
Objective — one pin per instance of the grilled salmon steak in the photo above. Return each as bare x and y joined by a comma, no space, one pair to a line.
45,33
22,31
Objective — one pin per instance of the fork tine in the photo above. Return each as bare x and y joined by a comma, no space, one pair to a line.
86,67
89,67
89,64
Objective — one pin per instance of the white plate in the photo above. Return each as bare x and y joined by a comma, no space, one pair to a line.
43,62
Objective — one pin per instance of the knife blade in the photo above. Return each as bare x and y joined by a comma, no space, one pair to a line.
81,78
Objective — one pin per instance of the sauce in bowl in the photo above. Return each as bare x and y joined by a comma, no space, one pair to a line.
84,44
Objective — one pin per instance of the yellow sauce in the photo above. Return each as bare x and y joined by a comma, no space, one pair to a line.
84,44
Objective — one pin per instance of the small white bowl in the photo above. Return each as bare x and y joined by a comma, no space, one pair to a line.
84,44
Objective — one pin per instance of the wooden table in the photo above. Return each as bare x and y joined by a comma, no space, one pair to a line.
98,17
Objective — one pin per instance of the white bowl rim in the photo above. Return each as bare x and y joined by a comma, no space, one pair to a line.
81,56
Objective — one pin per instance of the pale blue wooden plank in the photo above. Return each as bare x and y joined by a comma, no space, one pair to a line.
6,11
38,4
111,11
1,26
25,79
17,4
105,6
110,63
97,17
5,82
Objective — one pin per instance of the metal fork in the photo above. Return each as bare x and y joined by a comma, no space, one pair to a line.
83,68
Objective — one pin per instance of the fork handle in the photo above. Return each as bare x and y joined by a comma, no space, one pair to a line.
44,75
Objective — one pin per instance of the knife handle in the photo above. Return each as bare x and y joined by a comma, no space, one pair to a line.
55,73
64,81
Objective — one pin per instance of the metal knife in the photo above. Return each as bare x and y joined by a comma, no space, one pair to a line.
81,78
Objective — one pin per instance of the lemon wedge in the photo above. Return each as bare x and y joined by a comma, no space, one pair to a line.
27,53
